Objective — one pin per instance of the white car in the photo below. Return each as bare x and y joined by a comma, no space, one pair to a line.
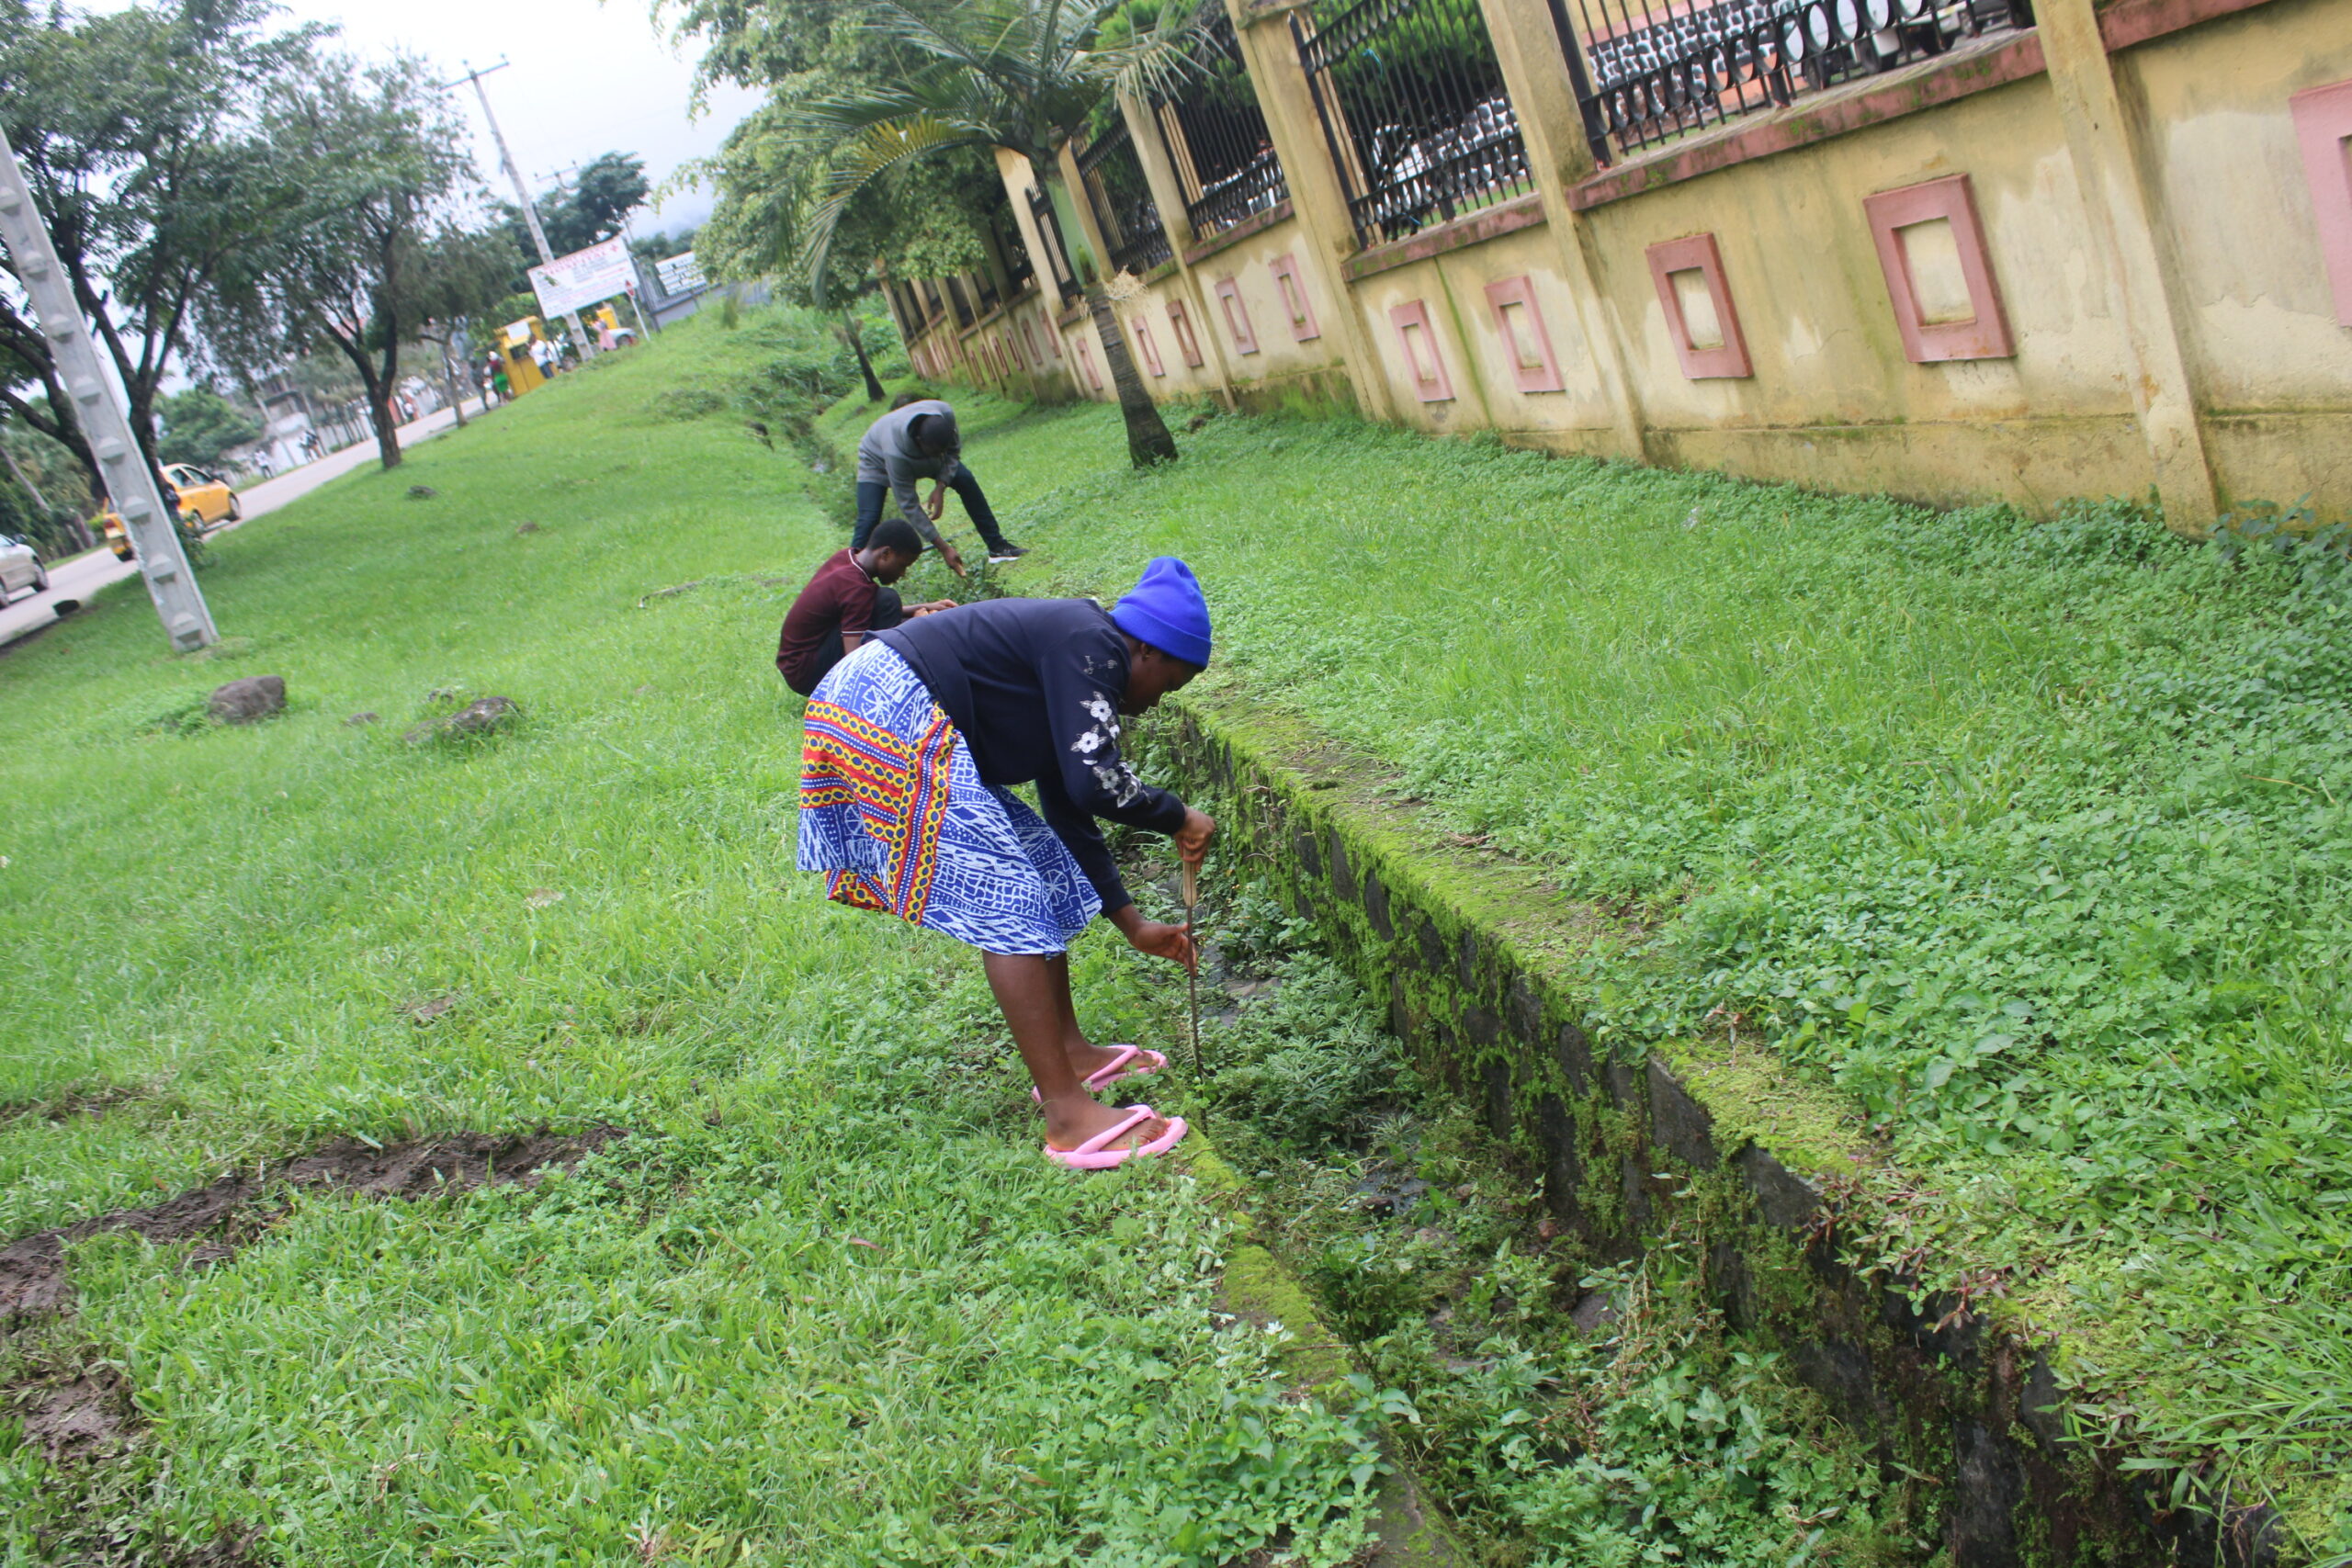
20,567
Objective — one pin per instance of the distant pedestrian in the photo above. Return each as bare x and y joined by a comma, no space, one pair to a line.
543,356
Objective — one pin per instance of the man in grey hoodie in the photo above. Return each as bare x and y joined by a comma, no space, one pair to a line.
919,441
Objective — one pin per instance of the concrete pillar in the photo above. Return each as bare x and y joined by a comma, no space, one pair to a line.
1018,176
1317,198
1168,194
1528,46
2104,145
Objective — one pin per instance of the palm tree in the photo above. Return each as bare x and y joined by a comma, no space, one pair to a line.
1024,75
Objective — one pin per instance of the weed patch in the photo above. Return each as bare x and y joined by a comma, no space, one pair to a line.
1567,1411
2031,839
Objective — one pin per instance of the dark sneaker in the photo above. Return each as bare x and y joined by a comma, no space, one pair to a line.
1007,551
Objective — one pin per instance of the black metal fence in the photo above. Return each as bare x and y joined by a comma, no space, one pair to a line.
1216,136
1006,230
1414,110
1648,75
1049,230
1122,200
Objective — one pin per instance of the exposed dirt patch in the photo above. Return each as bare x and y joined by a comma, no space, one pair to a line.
74,1101
231,1211
80,1414
75,1416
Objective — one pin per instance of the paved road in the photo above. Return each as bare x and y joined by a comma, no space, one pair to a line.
84,575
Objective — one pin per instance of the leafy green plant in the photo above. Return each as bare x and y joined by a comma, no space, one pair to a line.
2032,836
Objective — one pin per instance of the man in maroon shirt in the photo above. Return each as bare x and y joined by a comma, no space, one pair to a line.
847,601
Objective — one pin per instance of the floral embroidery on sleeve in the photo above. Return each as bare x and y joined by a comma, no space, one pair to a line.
1099,745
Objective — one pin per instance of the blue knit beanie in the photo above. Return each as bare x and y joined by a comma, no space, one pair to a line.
1167,611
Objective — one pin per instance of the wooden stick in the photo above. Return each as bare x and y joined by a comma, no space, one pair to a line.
1192,898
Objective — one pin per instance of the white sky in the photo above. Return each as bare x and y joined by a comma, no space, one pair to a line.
582,78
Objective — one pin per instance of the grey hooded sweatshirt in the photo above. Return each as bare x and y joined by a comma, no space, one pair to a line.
887,455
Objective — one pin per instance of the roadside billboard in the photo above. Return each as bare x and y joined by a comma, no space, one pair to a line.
679,274
583,279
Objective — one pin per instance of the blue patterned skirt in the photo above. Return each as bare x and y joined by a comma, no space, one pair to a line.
894,814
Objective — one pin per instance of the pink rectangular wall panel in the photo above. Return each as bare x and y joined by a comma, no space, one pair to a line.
1086,358
1291,290
1150,351
1697,254
1543,375
2324,127
1423,361
1986,335
1187,344
1237,316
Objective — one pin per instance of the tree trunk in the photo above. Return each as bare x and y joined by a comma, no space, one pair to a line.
449,379
1149,440
874,393
379,388
388,435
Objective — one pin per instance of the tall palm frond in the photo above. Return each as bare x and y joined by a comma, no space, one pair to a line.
1018,74
881,146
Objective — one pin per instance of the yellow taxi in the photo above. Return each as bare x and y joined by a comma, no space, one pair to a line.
206,495
108,525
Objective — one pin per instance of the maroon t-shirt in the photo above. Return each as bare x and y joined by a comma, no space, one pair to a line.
838,601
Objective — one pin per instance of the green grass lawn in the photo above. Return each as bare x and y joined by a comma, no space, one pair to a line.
2030,839
825,1304
2036,839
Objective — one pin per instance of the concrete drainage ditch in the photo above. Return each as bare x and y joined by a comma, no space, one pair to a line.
1469,954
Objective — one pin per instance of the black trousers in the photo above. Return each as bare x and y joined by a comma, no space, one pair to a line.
888,611
872,498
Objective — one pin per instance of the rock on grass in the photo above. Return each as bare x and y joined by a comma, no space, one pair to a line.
243,702
483,716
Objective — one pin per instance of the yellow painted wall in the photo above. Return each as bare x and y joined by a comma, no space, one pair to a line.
1832,400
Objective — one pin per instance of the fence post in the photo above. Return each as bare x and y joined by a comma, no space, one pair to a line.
1529,45
2104,143
1018,176
1168,194
1315,198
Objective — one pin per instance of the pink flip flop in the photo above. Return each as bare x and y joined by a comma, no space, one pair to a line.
1091,1155
1117,1069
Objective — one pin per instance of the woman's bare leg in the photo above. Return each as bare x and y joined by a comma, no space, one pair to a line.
1084,1056
1033,990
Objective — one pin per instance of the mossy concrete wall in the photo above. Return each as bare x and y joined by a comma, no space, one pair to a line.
1489,977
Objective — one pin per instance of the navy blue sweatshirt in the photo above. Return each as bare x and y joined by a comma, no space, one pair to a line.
1034,686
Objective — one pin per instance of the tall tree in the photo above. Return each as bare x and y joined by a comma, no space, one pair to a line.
138,133
198,425
372,170
1020,75
926,218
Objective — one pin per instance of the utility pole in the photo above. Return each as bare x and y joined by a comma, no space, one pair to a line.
522,192
130,483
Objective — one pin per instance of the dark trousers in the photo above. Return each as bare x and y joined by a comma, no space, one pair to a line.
888,611
872,498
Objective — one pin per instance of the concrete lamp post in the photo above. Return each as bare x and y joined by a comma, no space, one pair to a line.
129,481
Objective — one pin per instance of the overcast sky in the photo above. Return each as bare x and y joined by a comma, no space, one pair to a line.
581,78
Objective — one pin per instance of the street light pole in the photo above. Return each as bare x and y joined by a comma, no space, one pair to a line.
522,192
131,482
